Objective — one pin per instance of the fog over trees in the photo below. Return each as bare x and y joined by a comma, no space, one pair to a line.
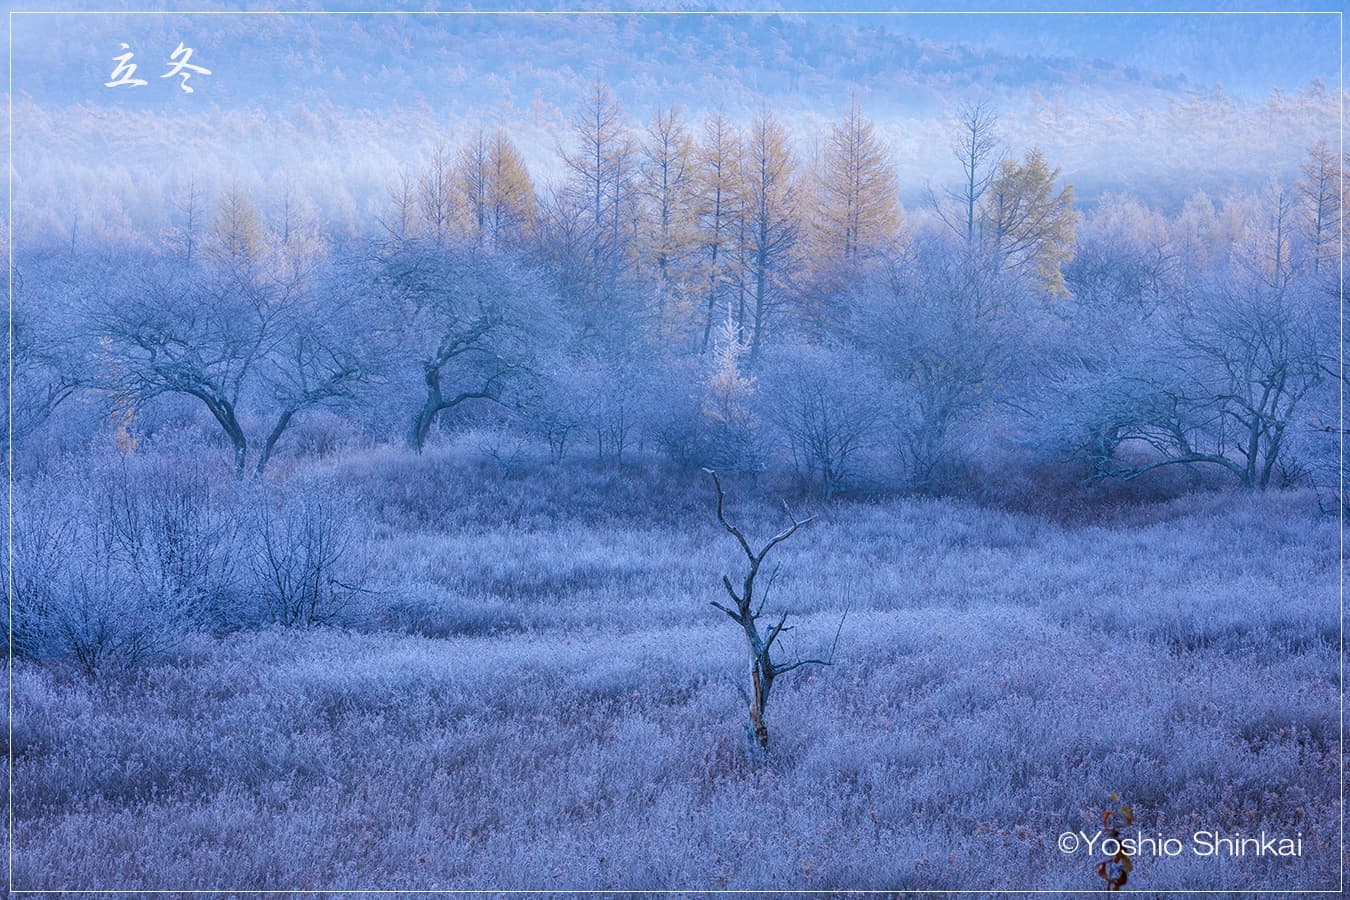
604,310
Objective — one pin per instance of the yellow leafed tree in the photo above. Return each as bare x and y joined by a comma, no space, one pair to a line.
859,212
1027,224
495,189
668,236
716,184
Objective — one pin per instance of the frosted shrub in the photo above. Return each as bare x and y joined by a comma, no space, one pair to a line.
113,562
728,396
320,434
616,393
303,565
675,418
179,524
99,617
824,404
555,409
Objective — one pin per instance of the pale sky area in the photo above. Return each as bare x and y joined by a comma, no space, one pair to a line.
1157,105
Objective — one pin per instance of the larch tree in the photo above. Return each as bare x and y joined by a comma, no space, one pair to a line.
436,201
399,220
185,234
771,201
856,217
666,186
1027,224
495,190
716,181
1320,194
236,234
740,268
601,169
1266,246
512,207
471,179
859,211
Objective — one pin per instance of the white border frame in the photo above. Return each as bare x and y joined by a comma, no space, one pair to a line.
1339,16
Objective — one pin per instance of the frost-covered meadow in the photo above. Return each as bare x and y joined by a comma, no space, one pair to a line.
694,452
538,696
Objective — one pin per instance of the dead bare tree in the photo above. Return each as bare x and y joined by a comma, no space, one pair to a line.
745,612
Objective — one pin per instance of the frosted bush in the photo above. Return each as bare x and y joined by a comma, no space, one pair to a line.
115,560
303,564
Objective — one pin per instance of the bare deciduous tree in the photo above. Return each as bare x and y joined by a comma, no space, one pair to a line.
466,317
976,148
945,332
823,402
45,367
242,332
745,611
1221,389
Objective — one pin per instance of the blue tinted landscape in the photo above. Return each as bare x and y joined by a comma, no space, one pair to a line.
573,450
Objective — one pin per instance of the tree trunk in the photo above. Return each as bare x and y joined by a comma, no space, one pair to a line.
223,412
712,265
237,438
240,453
757,327
270,444
421,424
761,678
1272,455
